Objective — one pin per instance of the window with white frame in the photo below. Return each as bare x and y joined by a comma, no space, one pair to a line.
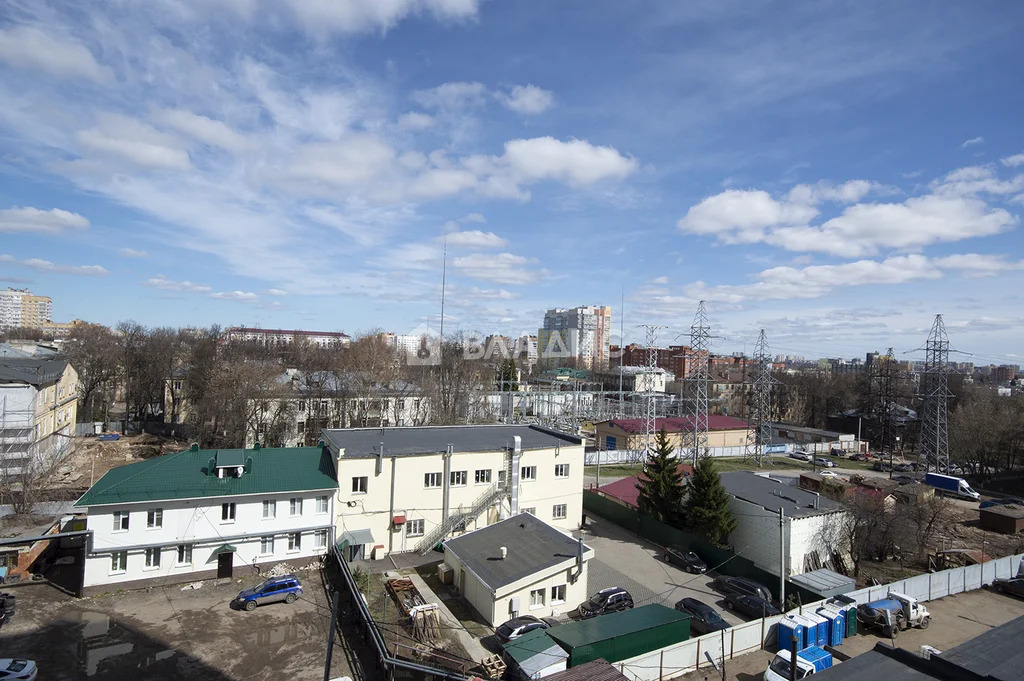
431,480
414,528
530,509
359,485
558,511
320,539
295,541
227,512
561,470
321,504
482,476
269,508
558,594
528,473
184,554
267,545
537,598
119,561
155,518
295,506
457,478
121,521
153,558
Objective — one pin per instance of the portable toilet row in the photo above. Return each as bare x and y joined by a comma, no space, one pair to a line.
849,608
787,628
835,618
810,630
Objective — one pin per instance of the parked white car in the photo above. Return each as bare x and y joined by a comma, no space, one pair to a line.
800,455
829,474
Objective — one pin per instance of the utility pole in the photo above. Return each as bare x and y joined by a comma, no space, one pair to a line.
650,414
934,442
759,429
700,337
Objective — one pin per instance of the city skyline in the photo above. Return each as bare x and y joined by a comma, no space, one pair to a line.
835,174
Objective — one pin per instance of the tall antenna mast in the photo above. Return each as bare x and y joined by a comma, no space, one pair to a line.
700,337
759,429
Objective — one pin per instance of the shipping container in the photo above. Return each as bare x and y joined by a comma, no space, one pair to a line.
622,635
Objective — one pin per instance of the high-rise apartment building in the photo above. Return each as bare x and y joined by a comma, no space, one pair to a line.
578,337
22,308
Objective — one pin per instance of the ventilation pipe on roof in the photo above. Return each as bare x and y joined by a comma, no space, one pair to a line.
211,466
248,464
380,459
502,552
256,446
579,559
194,447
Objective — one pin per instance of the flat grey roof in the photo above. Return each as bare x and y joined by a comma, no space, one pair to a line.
31,370
824,580
532,544
361,442
773,495
997,653
882,662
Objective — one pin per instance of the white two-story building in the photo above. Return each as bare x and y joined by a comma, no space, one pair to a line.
406,489
200,514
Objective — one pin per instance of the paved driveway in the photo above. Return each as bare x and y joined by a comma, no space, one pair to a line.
621,558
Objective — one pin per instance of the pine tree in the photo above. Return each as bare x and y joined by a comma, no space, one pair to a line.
661,483
707,504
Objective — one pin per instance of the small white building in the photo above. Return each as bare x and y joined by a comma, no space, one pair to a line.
200,514
407,489
519,566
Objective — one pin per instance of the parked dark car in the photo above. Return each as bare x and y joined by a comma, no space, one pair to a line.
903,479
903,468
612,599
518,626
1001,502
285,588
688,560
7,608
751,606
739,585
881,466
703,618
860,457
1013,586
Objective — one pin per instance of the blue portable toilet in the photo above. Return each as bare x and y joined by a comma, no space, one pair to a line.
821,631
810,628
836,624
787,628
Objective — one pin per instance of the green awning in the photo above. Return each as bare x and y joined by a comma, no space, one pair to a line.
224,548
355,538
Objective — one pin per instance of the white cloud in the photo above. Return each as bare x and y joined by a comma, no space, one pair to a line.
452,96
576,162
527,99
1014,161
978,265
971,142
28,47
128,139
237,296
661,281
473,217
323,17
354,160
206,130
503,268
415,121
475,238
38,221
47,266
491,294
131,253
276,292
165,284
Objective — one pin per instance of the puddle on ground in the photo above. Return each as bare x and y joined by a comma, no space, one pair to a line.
104,644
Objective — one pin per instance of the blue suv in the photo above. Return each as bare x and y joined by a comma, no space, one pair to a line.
284,588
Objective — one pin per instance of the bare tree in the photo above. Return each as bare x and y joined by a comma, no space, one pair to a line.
92,351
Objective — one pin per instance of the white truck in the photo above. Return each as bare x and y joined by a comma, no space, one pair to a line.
894,613
810,660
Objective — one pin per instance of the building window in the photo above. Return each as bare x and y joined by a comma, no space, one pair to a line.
558,511
295,541
320,539
120,521
562,470
152,558
184,554
119,561
227,512
531,510
457,478
528,473
431,480
267,545
295,506
537,598
414,528
358,486
482,476
269,508
558,594
300,427
501,477
302,405
155,518
321,502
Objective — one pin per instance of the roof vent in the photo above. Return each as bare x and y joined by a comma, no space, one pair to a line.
211,466
194,447
503,552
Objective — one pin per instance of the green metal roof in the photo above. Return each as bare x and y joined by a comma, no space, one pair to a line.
585,632
230,457
531,644
187,475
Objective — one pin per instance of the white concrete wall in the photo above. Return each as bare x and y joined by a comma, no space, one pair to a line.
198,522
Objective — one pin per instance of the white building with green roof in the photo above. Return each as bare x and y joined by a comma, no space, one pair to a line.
200,514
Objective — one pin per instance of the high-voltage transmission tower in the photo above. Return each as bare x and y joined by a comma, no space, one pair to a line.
884,376
933,445
650,401
700,345
759,428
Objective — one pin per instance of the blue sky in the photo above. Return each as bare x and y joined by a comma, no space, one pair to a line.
833,172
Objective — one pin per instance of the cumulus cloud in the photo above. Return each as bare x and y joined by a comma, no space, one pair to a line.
527,99
206,130
1014,161
237,296
38,221
971,142
47,266
503,268
576,162
165,284
978,265
128,139
276,292
131,253
475,238
29,48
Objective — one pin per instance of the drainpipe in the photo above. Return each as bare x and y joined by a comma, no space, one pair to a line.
391,531
446,481
782,563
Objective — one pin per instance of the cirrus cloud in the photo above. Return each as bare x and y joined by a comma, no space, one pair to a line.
46,266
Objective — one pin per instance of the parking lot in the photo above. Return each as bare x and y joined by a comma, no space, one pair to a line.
165,632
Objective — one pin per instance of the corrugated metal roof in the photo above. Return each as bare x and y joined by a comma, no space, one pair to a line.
532,644
604,627
596,670
680,424
825,582
185,475
364,442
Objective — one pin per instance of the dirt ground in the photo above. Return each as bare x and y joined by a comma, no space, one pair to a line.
165,632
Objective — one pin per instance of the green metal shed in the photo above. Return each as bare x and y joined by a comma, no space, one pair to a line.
622,635
536,655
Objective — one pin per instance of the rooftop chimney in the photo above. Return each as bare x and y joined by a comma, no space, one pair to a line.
503,551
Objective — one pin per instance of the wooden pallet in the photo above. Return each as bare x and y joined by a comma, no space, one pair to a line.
493,666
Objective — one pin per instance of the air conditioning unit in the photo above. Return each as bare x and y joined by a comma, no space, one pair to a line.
445,573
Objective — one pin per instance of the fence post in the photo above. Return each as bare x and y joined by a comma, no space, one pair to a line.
929,586
696,660
661,665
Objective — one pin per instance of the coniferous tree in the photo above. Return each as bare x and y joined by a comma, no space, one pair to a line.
707,504
661,483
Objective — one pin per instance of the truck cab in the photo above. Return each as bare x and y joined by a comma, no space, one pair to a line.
809,661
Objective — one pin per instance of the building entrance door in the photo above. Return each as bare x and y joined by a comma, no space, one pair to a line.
225,562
